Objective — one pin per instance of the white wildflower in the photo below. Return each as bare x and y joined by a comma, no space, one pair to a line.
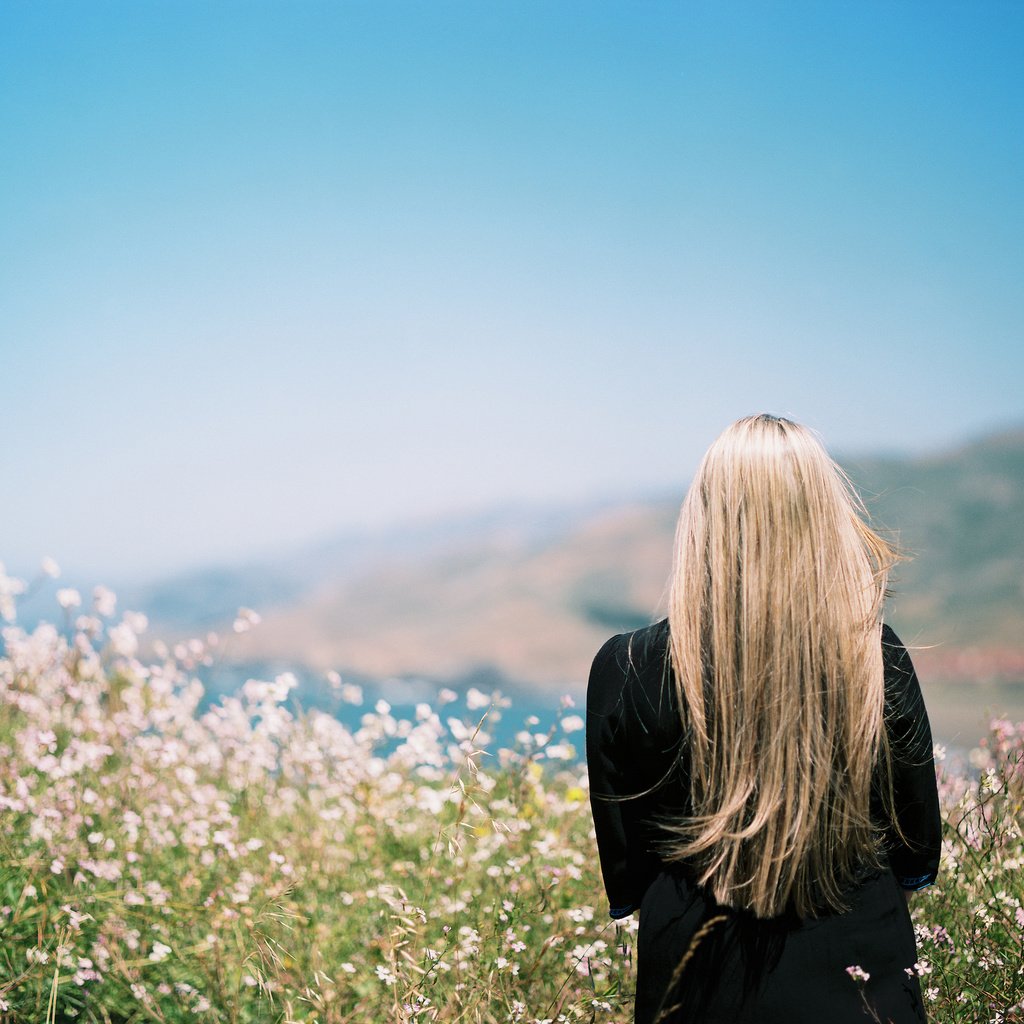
137,621
123,640
246,619
104,600
352,694
476,700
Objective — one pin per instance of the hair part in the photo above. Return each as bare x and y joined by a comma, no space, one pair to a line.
775,622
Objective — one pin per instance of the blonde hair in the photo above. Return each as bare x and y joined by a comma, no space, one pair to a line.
775,623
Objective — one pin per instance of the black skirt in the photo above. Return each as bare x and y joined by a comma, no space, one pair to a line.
742,970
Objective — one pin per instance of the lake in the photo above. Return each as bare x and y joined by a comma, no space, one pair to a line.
959,712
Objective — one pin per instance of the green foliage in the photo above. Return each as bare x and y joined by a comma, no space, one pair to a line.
255,864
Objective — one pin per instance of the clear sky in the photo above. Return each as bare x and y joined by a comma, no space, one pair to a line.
273,270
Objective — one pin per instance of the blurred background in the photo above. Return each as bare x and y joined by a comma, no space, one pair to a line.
406,324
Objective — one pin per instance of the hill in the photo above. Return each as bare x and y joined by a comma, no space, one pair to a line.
960,516
527,597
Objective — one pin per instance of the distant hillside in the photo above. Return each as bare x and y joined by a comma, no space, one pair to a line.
530,598
532,612
208,597
960,516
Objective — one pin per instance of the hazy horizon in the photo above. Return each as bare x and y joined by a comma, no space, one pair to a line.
513,512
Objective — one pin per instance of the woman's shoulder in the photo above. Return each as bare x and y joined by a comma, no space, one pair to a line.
905,712
900,676
630,668
891,643
633,652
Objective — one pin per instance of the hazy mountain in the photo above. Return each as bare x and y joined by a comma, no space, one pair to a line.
210,596
528,596
531,609
960,515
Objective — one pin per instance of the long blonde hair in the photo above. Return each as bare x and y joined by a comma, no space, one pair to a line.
775,621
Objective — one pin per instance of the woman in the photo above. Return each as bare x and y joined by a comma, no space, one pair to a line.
760,762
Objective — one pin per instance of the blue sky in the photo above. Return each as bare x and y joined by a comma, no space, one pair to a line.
269,271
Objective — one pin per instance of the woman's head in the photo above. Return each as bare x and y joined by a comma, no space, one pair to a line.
774,615
771,509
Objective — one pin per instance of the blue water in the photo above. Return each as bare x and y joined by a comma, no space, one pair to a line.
403,695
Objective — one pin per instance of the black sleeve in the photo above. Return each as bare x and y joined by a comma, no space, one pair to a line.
608,778
915,847
622,775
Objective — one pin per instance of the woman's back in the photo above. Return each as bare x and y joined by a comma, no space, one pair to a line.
745,968
763,756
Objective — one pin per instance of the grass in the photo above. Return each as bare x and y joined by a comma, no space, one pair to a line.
258,863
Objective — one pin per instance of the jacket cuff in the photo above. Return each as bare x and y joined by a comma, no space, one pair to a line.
915,882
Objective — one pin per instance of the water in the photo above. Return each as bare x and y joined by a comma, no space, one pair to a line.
959,711
403,696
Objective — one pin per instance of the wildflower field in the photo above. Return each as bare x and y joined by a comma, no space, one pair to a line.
260,863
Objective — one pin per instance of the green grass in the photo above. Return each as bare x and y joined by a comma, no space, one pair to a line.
259,864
